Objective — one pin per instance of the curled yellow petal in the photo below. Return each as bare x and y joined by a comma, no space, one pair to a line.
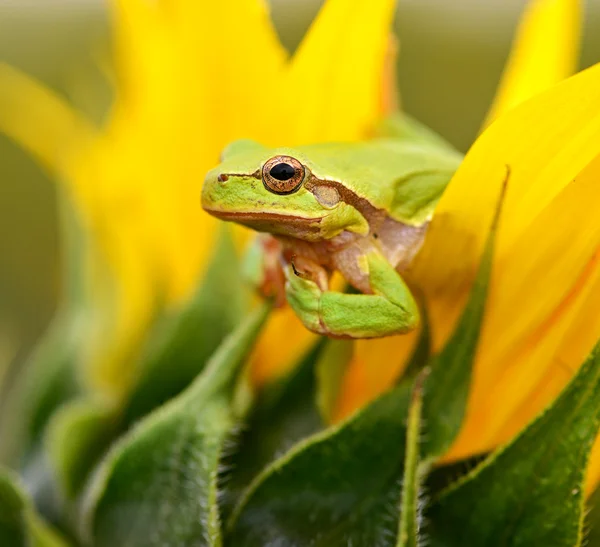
544,263
545,51
540,287
545,143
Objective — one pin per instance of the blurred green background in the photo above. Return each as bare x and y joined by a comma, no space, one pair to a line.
452,53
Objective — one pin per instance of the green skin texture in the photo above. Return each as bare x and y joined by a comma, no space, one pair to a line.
400,178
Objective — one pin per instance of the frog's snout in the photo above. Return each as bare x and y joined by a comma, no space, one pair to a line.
211,182
215,176
215,190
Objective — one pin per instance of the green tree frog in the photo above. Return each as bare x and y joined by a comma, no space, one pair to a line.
360,208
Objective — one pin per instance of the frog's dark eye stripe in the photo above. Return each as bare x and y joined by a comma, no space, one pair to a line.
282,174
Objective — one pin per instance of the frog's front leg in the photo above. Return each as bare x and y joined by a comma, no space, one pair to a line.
262,268
390,309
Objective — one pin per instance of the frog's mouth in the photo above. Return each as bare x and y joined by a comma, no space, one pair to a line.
274,223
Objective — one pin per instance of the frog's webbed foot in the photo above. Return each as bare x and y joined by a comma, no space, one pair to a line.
262,267
391,309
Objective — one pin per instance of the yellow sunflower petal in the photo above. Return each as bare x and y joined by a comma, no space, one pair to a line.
544,52
122,314
593,472
283,341
375,366
231,61
193,84
134,24
573,350
39,120
333,96
547,141
66,144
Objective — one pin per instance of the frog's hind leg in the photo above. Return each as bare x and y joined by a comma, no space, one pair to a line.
389,308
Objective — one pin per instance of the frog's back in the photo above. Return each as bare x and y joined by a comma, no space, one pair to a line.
405,179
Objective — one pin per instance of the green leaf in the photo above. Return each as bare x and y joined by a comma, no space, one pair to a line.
19,525
48,379
81,432
446,388
592,521
331,367
340,487
13,527
158,486
284,412
183,343
76,438
77,245
410,518
421,354
529,493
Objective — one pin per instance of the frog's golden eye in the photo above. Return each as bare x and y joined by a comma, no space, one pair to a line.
282,174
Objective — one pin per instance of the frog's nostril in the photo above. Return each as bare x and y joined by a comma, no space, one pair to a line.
222,177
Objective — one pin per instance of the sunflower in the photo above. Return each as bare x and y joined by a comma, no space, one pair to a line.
190,77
